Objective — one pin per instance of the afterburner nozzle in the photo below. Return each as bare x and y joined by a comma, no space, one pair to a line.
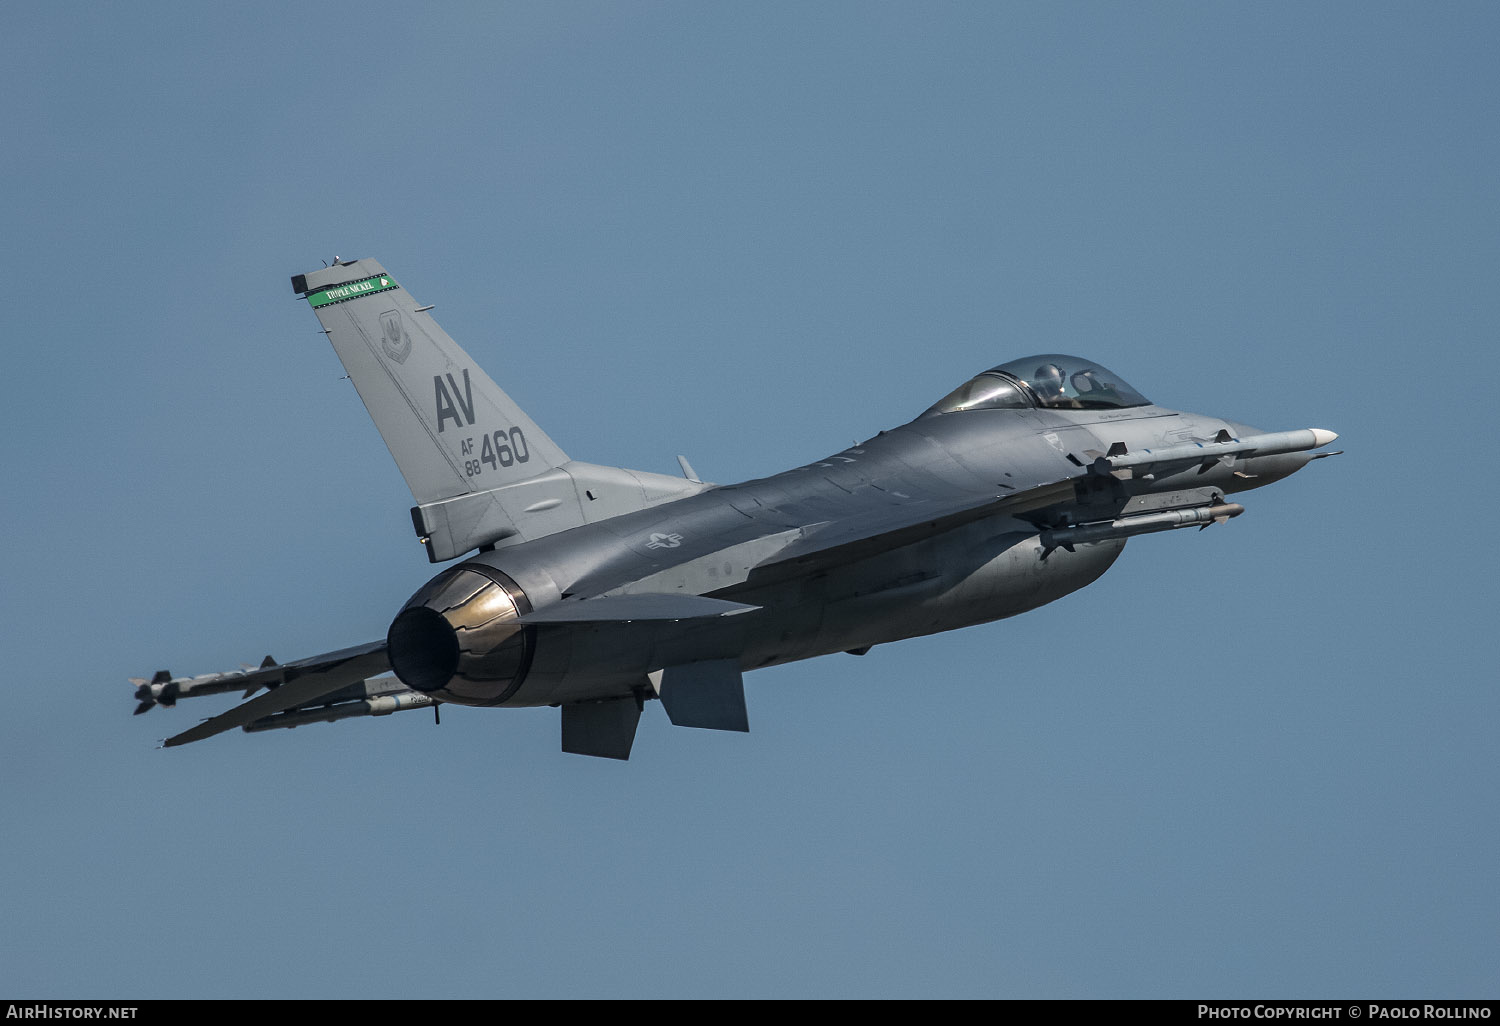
457,638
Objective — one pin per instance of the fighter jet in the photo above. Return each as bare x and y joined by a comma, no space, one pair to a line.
597,589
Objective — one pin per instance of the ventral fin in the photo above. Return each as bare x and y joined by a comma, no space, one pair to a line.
710,694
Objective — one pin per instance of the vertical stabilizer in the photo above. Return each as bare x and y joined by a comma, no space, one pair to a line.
482,472
451,429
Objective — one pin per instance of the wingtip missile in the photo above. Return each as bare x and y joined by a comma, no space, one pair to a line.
1223,451
164,689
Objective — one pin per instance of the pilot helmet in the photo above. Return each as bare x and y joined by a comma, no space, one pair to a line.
1048,380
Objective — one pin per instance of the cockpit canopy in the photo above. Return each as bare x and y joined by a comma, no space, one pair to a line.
1051,381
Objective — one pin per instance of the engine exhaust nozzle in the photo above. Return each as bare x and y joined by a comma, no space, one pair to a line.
457,639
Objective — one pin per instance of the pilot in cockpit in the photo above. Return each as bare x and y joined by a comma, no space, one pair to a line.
1052,381
1047,382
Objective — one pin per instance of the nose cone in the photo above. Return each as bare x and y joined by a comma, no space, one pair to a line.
1255,471
457,639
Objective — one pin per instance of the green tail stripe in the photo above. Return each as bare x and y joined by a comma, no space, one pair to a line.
353,290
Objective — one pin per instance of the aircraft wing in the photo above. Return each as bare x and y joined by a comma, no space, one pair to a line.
846,540
632,608
293,684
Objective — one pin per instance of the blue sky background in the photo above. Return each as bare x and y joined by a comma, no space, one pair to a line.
1256,761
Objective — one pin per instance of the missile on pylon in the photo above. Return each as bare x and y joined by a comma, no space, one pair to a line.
1128,527
381,705
1223,448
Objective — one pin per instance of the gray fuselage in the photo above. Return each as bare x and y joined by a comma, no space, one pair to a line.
717,543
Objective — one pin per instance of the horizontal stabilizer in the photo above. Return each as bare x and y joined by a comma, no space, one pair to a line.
709,694
624,608
302,681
